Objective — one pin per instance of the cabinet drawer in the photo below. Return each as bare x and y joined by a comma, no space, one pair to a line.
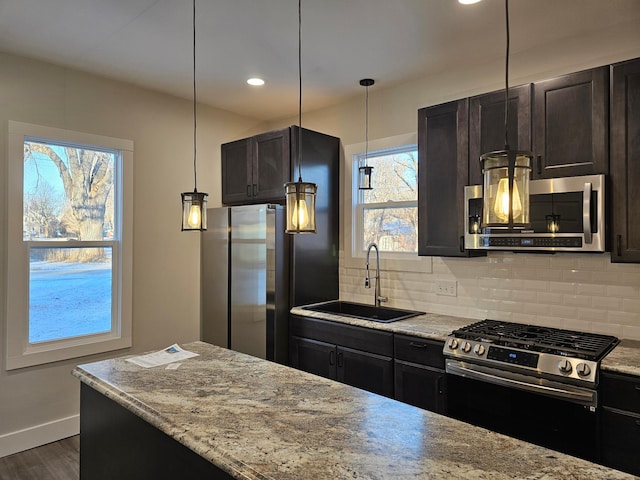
620,440
620,391
365,339
419,350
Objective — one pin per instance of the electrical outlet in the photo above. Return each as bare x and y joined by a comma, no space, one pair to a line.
447,288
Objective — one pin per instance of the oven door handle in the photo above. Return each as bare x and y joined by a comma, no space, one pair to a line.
586,213
584,397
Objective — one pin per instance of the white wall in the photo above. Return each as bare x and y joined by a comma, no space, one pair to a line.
578,291
41,404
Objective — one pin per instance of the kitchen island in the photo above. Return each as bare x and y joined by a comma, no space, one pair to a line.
248,418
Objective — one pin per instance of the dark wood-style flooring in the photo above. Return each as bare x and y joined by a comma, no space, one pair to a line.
54,461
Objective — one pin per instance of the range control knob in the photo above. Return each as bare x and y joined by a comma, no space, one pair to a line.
466,347
479,349
453,344
583,369
565,366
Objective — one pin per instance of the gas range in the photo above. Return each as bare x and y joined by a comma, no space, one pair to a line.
536,383
555,354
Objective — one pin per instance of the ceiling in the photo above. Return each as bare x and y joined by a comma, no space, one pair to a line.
149,42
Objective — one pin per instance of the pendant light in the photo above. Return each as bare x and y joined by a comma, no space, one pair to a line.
194,204
365,171
506,174
301,196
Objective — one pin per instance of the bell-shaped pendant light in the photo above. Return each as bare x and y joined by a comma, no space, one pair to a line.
365,171
194,204
506,174
301,196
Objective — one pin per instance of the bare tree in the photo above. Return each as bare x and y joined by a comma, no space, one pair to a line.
87,177
42,208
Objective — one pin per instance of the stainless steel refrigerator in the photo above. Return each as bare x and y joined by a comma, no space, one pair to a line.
245,280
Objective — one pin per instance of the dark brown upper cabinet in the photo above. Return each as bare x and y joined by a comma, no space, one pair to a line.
571,124
625,162
486,125
443,171
255,169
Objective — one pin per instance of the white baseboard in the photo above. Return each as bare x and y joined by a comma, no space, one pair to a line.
32,437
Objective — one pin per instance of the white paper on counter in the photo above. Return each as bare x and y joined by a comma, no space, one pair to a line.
171,354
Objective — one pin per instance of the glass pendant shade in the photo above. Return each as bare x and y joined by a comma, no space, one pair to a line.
364,177
194,211
506,189
301,207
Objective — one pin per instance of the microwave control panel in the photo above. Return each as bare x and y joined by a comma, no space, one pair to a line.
527,242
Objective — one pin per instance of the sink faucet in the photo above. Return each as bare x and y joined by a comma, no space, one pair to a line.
367,279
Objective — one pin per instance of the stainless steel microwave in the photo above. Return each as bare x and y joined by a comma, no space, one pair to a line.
567,215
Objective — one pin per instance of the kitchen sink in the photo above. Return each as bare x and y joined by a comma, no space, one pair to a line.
364,311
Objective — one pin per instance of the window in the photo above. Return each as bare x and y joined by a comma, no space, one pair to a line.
388,214
69,243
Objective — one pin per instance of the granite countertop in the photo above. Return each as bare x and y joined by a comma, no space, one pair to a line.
624,358
260,420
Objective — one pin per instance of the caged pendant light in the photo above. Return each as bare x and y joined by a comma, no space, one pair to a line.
194,204
365,171
506,174
301,196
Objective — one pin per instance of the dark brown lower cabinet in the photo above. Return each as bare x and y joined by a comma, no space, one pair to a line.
620,441
421,386
356,356
117,444
420,378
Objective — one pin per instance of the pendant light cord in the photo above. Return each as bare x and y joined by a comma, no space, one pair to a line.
506,81
299,91
366,127
195,174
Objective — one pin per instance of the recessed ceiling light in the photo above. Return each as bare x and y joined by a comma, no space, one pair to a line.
468,2
256,82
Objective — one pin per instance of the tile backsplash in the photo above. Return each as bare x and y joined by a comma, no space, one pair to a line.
575,291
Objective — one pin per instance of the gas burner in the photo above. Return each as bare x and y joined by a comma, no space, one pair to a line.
589,346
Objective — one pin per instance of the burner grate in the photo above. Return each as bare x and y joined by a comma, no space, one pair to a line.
590,346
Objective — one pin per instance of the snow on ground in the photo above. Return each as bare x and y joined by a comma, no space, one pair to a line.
69,299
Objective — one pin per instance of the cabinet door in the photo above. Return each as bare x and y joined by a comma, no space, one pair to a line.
271,165
368,371
486,125
625,162
236,172
420,386
443,171
571,124
313,356
620,440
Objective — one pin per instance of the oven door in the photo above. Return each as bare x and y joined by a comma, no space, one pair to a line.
518,408
562,391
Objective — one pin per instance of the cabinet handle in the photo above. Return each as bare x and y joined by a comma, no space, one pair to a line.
255,189
619,244
340,360
461,243
637,387
332,357
248,190
439,385
539,166
417,345
637,423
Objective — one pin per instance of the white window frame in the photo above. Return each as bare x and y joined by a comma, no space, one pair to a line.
354,255
19,352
